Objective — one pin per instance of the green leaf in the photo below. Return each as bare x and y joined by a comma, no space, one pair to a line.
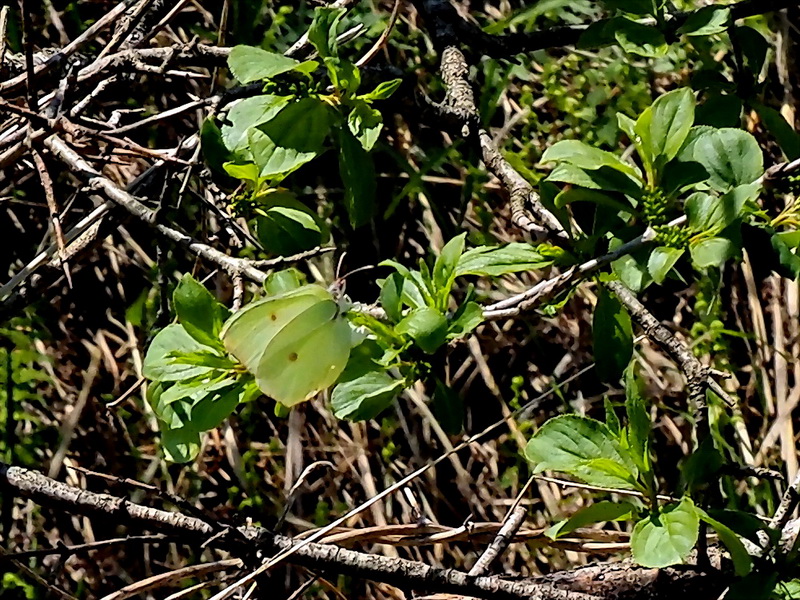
677,176
788,139
638,428
604,178
159,362
712,252
247,171
180,445
448,408
358,175
702,467
584,156
631,268
444,269
664,126
732,157
494,261
292,138
216,404
715,213
709,20
468,316
215,153
576,194
249,64
583,448
742,562
644,40
612,420
248,113
661,261
279,282
345,76
365,397
788,255
286,226
382,91
426,326
322,33
199,312
666,537
365,123
391,297
415,295
594,513
612,333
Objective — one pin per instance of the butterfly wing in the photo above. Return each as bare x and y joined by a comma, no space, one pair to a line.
248,333
306,356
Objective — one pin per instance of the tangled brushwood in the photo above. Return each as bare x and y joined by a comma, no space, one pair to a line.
399,299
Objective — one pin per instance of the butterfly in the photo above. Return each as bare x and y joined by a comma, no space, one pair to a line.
296,343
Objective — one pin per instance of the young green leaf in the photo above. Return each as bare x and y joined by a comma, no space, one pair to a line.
391,296
585,156
742,562
664,126
322,33
286,226
494,261
249,64
199,312
707,213
365,124
468,316
731,157
248,113
444,269
709,20
382,91
292,138
613,337
597,512
637,432
583,448
666,537
661,261
345,76
358,175
603,178
180,445
712,252
426,326
159,362
644,40
280,282
365,397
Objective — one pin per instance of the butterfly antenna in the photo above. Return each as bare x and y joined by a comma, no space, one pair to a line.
339,266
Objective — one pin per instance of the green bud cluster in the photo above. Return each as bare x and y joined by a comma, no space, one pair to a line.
674,237
290,84
654,207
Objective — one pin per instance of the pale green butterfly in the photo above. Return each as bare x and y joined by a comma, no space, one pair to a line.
295,344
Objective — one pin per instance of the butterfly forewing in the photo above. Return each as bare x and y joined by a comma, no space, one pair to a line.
247,334
306,356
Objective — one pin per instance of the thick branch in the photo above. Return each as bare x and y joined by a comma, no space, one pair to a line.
460,103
